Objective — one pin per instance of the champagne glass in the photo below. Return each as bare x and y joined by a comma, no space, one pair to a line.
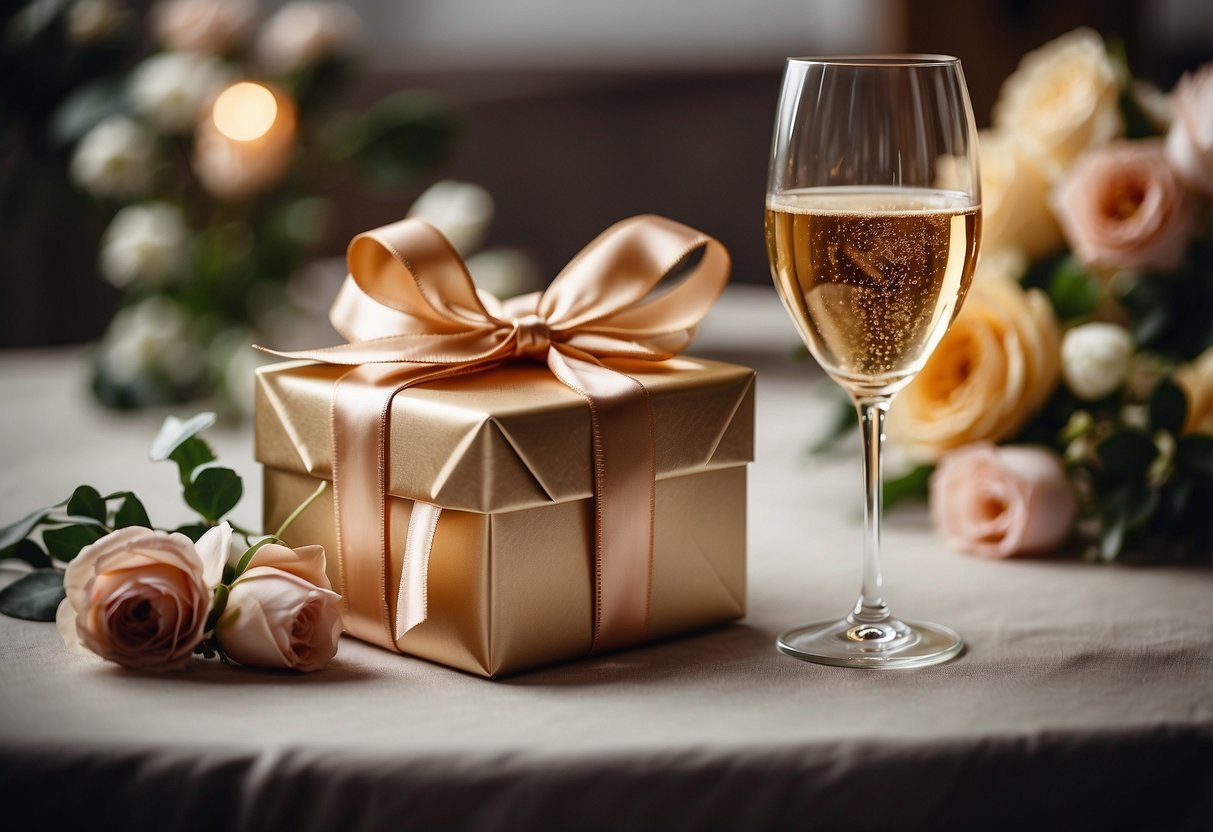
873,219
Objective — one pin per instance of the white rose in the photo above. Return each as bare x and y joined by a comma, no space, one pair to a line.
143,242
504,272
1063,98
115,158
300,34
460,210
1095,359
211,26
1014,200
173,89
151,337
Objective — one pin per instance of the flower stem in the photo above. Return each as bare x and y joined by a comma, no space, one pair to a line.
294,515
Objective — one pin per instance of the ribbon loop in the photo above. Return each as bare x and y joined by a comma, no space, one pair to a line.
411,314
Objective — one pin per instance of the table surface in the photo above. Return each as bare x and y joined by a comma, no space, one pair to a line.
1085,695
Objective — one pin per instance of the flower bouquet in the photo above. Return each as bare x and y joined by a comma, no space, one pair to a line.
208,137
1070,406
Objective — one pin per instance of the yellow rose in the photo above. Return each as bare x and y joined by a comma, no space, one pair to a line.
1196,379
1014,200
1062,99
992,371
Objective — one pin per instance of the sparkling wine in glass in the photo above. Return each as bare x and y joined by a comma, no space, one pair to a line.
873,220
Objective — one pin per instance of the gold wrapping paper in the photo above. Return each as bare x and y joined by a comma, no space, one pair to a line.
506,454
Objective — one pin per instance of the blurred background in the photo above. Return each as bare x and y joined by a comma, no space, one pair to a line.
572,116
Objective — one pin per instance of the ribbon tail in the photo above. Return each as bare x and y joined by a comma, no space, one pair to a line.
624,472
411,600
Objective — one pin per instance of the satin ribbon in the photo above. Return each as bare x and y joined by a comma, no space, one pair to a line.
411,314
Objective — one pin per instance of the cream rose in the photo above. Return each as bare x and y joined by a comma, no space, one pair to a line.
991,372
147,243
1196,379
174,89
1190,139
1014,200
1122,207
116,159
282,612
1095,359
1062,99
210,26
304,33
141,598
1002,502
462,211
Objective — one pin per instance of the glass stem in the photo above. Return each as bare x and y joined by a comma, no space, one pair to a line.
871,608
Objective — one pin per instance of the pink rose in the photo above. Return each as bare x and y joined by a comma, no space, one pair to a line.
141,598
1190,139
209,26
1000,502
1123,207
282,612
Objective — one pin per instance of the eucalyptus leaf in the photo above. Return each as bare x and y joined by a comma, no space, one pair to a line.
1168,407
65,543
1194,454
1112,522
175,431
86,502
20,530
214,492
1127,453
34,597
131,513
28,551
85,108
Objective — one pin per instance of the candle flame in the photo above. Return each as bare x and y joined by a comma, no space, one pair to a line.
245,111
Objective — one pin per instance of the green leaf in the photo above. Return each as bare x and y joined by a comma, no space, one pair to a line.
15,532
175,431
190,455
1127,453
214,492
66,542
35,597
1194,454
400,137
844,422
28,551
913,484
193,531
86,502
131,513
1074,293
1147,301
1168,407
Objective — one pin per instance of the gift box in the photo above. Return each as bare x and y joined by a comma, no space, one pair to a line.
499,551
506,454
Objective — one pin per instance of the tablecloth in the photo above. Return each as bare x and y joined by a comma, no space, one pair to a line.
1084,699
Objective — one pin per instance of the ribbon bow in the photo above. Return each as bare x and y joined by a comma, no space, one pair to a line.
411,314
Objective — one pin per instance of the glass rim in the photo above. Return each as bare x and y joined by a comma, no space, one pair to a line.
902,59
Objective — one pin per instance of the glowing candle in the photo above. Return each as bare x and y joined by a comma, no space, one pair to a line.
246,143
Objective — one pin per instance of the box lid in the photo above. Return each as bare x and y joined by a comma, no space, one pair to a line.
509,438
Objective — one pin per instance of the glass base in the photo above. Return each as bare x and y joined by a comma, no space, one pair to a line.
887,644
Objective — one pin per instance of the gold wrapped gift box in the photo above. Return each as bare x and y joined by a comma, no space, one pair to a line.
506,454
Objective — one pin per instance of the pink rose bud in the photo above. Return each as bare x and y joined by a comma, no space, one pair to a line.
1122,206
1000,502
282,612
140,597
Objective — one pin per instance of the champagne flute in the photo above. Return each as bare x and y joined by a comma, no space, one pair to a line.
873,219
